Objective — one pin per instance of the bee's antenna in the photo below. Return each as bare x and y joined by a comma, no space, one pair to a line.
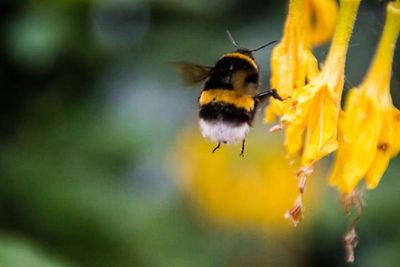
232,40
263,46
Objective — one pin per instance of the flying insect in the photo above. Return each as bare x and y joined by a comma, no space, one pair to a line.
230,96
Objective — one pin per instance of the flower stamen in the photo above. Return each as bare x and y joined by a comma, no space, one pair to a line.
352,203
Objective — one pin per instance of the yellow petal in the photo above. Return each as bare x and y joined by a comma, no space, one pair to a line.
292,62
369,134
295,120
358,135
321,127
378,167
321,17
308,22
317,105
294,139
396,131
315,109
386,148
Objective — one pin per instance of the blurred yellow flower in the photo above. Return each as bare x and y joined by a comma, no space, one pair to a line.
253,191
321,17
314,109
309,22
369,131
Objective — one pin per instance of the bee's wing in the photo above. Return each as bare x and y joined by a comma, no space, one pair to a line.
192,74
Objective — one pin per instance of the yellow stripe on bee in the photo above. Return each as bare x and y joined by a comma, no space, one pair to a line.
227,96
241,56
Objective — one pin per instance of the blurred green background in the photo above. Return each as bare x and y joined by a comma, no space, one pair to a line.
90,108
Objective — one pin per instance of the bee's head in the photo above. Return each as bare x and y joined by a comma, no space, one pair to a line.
246,51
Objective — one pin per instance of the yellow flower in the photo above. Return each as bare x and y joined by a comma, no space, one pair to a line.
369,133
253,191
321,16
313,116
309,22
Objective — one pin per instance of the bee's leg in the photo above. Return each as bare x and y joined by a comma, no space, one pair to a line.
217,147
263,95
242,150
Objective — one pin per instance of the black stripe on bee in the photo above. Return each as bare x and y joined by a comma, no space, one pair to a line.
226,112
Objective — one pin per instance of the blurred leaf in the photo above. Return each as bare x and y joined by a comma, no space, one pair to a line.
37,36
15,252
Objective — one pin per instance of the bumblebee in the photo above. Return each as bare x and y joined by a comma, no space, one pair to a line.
230,96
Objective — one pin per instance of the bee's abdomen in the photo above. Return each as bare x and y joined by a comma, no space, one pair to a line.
225,112
224,123
225,115
226,105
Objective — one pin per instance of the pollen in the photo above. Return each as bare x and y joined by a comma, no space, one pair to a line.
383,147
